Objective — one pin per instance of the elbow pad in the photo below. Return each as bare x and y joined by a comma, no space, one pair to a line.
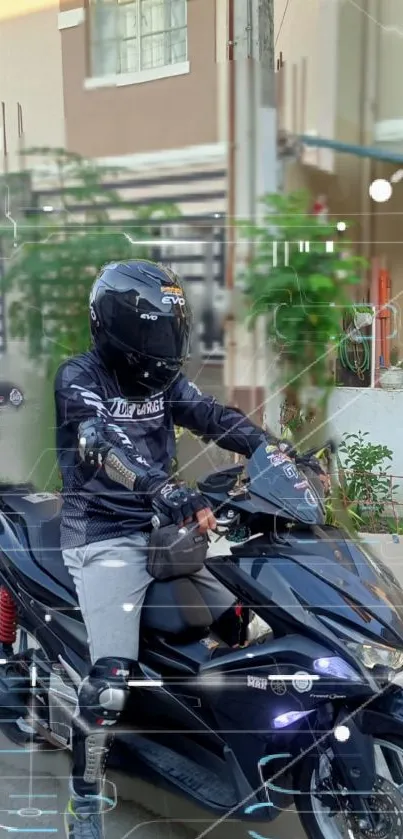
96,450
100,445
118,468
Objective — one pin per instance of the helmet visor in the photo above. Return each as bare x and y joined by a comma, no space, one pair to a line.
159,336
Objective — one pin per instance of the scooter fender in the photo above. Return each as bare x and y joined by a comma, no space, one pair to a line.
384,716
354,753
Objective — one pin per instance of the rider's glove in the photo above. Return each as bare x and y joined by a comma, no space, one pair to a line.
316,466
179,502
283,446
287,448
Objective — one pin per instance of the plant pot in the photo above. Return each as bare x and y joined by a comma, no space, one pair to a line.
391,378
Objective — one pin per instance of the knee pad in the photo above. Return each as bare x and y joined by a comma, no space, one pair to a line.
101,700
104,692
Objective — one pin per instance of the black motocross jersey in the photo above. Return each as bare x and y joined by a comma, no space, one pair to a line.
95,507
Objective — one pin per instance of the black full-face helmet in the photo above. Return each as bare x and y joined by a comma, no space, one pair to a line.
140,324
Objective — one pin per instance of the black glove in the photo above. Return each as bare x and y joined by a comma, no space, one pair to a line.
179,502
287,448
284,447
316,466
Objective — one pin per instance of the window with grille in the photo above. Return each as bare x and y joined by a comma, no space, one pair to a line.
128,36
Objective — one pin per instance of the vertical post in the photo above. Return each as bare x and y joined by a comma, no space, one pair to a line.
270,178
21,137
252,170
230,263
5,149
267,131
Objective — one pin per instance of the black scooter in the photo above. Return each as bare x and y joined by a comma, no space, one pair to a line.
311,716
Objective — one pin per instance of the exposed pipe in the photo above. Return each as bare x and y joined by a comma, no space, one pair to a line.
350,148
253,395
21,136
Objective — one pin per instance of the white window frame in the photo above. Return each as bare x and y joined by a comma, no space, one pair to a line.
115,39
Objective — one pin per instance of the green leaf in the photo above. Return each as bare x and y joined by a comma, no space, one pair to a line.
58,259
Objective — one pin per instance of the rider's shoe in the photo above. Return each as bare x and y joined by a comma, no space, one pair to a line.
83,818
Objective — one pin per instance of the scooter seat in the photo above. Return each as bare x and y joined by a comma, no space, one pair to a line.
172,608
175,607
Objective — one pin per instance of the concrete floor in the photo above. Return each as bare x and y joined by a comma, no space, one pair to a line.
33,792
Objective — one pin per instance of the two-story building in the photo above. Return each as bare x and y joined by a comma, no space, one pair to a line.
343,62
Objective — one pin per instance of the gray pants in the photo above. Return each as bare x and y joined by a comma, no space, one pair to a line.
112,581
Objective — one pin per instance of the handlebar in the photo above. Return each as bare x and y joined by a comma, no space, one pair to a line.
329,446
160,520
157,522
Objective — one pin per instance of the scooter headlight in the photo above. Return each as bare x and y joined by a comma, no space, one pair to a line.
387,661
376,655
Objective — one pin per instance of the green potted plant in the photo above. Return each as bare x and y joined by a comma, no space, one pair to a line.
302,298
391,378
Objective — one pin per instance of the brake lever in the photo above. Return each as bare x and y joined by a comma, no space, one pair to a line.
330,446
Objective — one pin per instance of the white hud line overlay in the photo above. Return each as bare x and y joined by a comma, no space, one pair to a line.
215,823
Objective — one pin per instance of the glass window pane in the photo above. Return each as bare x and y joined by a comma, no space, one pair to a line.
103,20
104,58
127,17
176,13
178,45
152,16
129,56
152,51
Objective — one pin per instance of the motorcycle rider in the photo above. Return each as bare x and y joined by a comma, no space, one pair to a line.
116,407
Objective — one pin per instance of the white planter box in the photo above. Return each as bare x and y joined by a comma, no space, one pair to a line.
391,378
388,548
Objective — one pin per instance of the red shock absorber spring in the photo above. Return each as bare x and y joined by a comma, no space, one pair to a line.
8,617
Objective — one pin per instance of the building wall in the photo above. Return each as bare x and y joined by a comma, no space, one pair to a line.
308,41
389,127
357,88
165,113
31,74
375,411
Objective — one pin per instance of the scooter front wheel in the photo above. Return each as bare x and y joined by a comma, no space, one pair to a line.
327,811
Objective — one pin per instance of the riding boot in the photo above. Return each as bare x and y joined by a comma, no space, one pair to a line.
102,698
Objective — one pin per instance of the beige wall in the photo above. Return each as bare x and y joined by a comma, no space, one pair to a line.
390,32
163,114
308,37
31,73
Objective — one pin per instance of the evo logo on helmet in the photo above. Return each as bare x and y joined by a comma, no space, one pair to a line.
172,298
149,317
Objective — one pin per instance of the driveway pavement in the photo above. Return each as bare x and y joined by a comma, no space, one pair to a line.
33,788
